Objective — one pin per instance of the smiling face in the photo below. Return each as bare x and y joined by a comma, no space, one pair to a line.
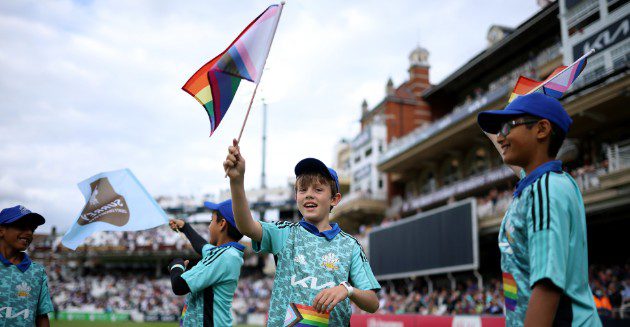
314,197
520,142
17,236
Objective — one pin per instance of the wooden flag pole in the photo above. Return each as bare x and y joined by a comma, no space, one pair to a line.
251,101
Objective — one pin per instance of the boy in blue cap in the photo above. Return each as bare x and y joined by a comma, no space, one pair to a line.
320,268
543,234
211,283
24,297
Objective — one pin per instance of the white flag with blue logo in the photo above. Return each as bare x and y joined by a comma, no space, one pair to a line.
115,201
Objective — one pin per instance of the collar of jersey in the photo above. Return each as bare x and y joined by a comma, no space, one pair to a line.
328,234
236,245
555,166
23,266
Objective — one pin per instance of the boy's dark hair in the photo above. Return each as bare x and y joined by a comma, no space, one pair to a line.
555,139
232,232
308,179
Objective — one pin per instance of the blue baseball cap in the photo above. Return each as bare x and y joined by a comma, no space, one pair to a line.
535,104
13,214
312,165
225,209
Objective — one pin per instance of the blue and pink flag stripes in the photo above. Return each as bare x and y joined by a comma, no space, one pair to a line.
215,83
556,84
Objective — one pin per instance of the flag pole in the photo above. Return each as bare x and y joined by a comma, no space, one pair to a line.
590,52
251,101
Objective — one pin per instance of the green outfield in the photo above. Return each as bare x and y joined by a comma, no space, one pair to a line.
66,323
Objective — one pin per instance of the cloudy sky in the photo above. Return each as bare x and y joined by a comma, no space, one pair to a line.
92,86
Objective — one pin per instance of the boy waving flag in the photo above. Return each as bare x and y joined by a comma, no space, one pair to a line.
209,285
320,268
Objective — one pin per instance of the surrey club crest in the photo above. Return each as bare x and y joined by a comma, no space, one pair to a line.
330,262
23,290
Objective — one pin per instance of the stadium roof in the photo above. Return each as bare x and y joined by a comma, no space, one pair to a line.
514,44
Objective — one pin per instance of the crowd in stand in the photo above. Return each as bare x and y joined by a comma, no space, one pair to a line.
494,204
154,239
408,297
128,291
611,290
252,295
111,291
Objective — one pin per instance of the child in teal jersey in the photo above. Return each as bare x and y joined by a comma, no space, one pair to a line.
209,285
542,237
320,268
24,297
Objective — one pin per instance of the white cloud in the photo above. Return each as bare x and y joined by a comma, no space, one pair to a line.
95,86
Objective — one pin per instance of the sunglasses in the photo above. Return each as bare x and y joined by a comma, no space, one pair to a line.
507,127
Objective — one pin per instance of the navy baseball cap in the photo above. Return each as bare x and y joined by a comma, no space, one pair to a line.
13,214
225,209
535,104
312,165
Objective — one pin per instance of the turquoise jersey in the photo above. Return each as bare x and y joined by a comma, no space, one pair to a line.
308,262
543,236
23,293
212,284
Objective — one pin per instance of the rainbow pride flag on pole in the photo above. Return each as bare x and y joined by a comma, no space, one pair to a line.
215,83
556,84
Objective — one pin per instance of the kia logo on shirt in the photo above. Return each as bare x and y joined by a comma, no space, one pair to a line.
310,282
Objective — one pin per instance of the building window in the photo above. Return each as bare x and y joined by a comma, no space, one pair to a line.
380,183
368,152
615,4
479,161
450,172
429,185
357,158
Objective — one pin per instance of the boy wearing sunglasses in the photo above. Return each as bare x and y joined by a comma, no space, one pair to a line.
543,233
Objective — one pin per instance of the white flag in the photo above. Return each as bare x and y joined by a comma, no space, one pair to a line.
115,201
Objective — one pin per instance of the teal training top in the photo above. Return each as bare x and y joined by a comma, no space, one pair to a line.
309,261
23,293
543,236
212,284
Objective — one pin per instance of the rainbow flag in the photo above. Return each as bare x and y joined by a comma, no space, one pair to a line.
299,315
181,318
215,83
555,85
523,86
510,291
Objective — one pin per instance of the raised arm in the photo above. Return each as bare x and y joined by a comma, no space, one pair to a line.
234,165
196,240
